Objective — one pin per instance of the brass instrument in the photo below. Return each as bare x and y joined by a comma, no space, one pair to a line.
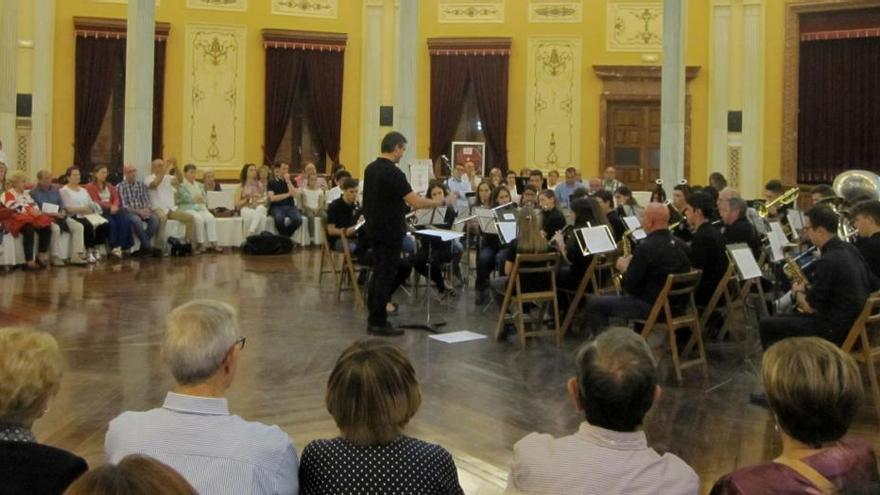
625,245
851,187
787,198
793,271
675,213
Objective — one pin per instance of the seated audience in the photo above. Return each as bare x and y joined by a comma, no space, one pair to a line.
707,248
251,199
495,177
336,192
78,203
342,216
135,199
265,174
27,220
470,171
163,184
209,180
282,207
615,387
553,219
313,201
134,475
511,186
552,179
372,394
107,197
813,390
191,198
609,180
866,217
536,180
440,251
45,193
460,185
566,189
193,432
595,185
30,374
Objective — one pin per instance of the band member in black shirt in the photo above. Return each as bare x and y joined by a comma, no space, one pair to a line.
440,251
342,216
644,272
866,216
836,293
386,196
553,219
679,200
606,201
737,228
707,251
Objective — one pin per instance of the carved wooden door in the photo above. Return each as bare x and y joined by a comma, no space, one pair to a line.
634,143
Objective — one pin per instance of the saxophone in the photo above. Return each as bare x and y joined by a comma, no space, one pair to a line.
626,250
793,271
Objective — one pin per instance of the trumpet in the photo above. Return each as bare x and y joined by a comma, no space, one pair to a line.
787,198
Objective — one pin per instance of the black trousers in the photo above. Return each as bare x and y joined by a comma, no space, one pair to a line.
92,236
389,271
44,236
775,328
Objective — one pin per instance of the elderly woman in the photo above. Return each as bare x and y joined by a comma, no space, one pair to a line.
27,220
372,394
30,373
134,475
814,390
209,180
191,198
251,200
105,194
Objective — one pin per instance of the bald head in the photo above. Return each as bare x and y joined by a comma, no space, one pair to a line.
44,179
130,172
656,217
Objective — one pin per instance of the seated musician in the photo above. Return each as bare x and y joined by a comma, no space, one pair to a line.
529,240
822,193
342,216
529,196
679,200
553,219
866,217
627,206
836,294
773,190
750,214
737,228
707,250
536,180
489,257
440,251
606,202
587,212
644,272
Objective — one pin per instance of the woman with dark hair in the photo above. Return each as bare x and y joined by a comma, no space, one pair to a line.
134,475
679,201
553,219
510,184
440,251
251,199
104,194
627,206
606,203
529,240
658,195
488,259
586,212
78,203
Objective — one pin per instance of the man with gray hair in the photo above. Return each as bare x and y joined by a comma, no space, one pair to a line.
193,432
737,228
750,213
615,386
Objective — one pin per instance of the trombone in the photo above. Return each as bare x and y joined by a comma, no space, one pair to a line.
787,198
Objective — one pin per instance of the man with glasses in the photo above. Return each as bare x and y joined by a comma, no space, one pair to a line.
193,432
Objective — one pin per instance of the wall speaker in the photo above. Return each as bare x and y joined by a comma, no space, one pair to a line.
386,116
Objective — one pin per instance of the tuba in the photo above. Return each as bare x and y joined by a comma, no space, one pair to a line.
852,186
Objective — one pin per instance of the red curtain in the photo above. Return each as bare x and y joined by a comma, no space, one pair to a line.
324,71
449,79
96,60
284,68
489,80
158,96
838,108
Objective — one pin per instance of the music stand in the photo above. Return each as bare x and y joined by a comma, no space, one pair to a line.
445,236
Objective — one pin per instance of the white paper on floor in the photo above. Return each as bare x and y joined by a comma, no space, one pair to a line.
456,337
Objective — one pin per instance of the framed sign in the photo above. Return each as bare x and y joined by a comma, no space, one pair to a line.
464,152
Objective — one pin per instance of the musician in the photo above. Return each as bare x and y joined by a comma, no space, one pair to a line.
737,228
489,257
342,216
386,196
835,295
627,206
773,190
529,196
821,193
587,212
707,251
552,218
440,251
750,214
536,180
866,217
679,200
644,272
460,184
606,202
717,180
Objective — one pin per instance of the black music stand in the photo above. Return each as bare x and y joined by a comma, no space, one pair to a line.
445,236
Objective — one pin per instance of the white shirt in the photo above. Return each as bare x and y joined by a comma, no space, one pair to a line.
216,452
461,187
75,199
162,196
334,194
596,460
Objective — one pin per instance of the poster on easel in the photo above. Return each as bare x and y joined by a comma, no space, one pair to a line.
473,152
420,174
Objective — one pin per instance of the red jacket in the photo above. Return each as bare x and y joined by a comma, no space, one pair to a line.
96,197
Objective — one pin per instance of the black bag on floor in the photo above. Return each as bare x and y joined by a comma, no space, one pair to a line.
267,243
180,247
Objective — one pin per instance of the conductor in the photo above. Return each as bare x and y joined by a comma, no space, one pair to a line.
386,196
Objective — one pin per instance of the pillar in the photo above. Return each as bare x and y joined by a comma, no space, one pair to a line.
406,104
8,54
139,52
41,110
673,83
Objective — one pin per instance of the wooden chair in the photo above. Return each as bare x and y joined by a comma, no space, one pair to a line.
328,257
867,353
532,264
347,279
678,285
578,294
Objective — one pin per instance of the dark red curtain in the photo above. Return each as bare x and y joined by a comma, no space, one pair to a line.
158,97
96,60
449,79
489,80
284,68
324,71
839,108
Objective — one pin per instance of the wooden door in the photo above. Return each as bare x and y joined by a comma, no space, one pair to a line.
633,141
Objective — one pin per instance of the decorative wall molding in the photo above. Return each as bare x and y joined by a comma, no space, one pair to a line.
470,12
469,46
23,144
553,106
304,40
158,2
635,27
328,9
553,11
214,90
236,5
106,27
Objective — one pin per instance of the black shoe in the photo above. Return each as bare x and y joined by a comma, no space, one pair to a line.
384,330
362,277
482,297
156,253
759,399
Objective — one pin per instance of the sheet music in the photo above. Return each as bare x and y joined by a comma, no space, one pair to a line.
49,208
745,261
430,216
597,240
795,221
507,231
444,235
776,229
635,227
420,172
776,253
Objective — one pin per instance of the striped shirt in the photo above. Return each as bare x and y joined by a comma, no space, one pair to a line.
596,460
216,452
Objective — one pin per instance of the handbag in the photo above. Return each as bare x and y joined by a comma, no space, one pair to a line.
823,485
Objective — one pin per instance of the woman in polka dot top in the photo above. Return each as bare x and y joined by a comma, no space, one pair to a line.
372,394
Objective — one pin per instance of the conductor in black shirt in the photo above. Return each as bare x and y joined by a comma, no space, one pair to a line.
386,196
866,216
644,272
707,250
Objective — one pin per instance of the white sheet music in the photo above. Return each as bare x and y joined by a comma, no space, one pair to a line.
745,261
635,227
598,240
444,235
776,229
776,253
507,231
431,216
420,172
795,220
49,208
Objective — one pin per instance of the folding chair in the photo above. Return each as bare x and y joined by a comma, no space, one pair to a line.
578,294
867,353
328,257
532,264
347,279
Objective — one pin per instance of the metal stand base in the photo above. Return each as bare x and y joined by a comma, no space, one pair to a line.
428,326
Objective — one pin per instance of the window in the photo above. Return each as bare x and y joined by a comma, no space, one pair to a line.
300,144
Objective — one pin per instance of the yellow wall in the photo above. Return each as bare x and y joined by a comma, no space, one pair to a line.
256,18
774,12
592,31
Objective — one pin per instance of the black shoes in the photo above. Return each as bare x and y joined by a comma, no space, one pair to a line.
384,330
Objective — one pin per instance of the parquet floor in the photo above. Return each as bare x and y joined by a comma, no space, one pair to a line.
478,397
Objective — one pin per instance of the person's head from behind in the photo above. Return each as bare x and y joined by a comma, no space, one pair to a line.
656,217
547,200
813,388
349,188
134,475
201,345
732,209
393,146
820,224
616,382
248,173
587,210
536,179
372,392
30,374
717,180
500,196
530,234
866,217
529,196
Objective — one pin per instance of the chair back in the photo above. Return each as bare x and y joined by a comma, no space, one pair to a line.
870,316
677,284
533,264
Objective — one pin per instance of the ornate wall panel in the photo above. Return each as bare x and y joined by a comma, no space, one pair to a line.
306,8
552,11
464,12
214,94
217,4
635,27
553,108
158,2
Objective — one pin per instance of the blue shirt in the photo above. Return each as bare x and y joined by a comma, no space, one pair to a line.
459,186
216,452
50,195
563,191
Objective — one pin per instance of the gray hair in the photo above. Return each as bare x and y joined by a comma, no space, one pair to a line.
198,336
738,204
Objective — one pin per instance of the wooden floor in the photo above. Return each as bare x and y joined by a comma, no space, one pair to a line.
478,397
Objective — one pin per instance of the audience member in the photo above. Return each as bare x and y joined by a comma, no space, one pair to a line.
193,432
813,390
512,187
163,184
30,374
536,180
460,185
79,205
336,192
45,193
209,180
27,220
372,394
495,177
615,387
107,197
565,190
191,198
282,207
610,182
596,185
251,199
552,179
314,205
134,475
135,200
265,174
